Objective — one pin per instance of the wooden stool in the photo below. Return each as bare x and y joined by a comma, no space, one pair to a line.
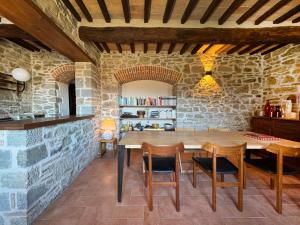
102,150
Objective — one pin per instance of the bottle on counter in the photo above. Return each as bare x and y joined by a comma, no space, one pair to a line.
277,112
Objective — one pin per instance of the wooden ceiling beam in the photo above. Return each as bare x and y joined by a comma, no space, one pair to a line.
24,44
98,45
40,44
272,10
84,10
260,49
104,10
196,49
207,48
159,47
126,10
273,49
12,31
234,6
72,9
147,11
188,10
251,11
184,48
235,49
25,14
211,8
145,47
248,49
223,49
168,11
287,15
132,47
105,46
296,20
192,35
171,48
119,47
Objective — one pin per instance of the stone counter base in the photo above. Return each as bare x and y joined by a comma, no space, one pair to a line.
37,165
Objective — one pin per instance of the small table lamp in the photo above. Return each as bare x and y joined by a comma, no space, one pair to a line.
108,127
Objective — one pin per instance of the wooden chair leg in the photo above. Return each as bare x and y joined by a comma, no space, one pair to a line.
194,174
272,184
177,192
222,178
240,189
244,177
150,197
214,193
279,183
146,178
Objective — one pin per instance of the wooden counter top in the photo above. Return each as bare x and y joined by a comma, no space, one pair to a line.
40,122
275,118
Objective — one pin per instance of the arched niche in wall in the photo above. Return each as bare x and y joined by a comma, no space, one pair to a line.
64,76
147,73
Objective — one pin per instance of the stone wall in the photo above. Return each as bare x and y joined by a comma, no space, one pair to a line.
44,86
239,76
37,165
13,56
282,73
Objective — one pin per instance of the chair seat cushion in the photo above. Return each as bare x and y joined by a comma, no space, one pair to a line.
161,164
224,166
270,165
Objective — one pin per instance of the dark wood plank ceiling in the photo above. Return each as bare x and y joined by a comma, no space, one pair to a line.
232,12
255,11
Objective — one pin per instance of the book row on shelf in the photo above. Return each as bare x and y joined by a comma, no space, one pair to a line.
148,101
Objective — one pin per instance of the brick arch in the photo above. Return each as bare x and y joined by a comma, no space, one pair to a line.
64,73
147,73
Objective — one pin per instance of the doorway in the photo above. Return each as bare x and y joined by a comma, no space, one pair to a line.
72,98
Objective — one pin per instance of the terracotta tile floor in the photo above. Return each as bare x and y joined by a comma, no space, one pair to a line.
91,200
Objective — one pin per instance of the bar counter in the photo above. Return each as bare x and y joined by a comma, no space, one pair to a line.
40,122
39,159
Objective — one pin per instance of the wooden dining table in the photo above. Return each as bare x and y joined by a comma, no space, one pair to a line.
192,140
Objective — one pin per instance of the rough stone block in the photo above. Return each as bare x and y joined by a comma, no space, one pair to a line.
13,180
5,159
4,202
21,200
1,220
32,156
35,193
16,138
18,220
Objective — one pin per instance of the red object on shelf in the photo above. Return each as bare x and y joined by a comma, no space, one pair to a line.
267,108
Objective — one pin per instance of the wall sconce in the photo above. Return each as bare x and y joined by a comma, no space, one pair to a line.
15,81
21,74
208,85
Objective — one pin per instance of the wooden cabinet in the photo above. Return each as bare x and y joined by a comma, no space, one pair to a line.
283,128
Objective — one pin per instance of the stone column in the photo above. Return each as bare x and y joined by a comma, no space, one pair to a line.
87,83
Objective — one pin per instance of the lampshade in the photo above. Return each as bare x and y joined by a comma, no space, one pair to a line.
21,74
208,85
108,125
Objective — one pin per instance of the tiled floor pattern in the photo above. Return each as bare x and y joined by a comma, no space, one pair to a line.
91,200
